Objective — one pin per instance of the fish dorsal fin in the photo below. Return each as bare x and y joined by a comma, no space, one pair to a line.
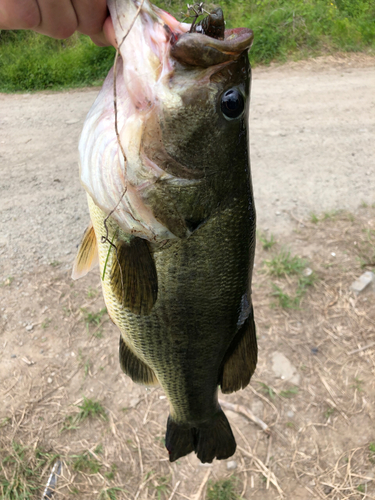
133,276
87,256
241,358
137,370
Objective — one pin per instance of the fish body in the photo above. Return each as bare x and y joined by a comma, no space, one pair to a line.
173,218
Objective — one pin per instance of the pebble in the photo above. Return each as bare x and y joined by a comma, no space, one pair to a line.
13,356
41,351
278,213
283,368
290,414
231,465
49,380
29,327
363,282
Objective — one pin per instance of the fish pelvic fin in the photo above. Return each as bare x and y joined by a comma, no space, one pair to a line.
215,440
241,358
133,276
137,370
87,257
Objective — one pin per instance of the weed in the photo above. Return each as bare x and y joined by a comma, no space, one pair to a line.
328,413
290,424
267,243
162,487
314,218
46,322
24,470
266,389
99,449
284,264
86,463
361,488
111,474
224,489
358,384
285,300
289,393
110,493
8,281
90,408
91,318
372,452
55,263
87,368
92,293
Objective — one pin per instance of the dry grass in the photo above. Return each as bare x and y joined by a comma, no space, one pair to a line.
320,436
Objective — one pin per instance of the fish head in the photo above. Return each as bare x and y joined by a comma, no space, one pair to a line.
181,102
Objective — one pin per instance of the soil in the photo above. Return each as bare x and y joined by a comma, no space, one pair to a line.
312,129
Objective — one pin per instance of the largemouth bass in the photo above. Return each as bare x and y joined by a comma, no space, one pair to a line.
173,218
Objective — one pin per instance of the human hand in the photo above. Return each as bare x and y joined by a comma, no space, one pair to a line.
59,18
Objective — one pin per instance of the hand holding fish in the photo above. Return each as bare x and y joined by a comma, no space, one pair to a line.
59,18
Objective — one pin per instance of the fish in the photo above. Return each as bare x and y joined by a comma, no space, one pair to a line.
165,166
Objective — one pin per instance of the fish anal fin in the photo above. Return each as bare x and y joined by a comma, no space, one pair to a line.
241,358
87,257
137,370
133,276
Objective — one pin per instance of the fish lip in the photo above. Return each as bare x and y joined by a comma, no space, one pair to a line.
196,49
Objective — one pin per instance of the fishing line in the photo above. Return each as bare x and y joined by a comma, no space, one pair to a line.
105,239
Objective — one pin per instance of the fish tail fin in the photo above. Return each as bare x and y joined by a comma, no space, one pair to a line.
215,440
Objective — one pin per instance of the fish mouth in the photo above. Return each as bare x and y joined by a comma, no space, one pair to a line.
197,49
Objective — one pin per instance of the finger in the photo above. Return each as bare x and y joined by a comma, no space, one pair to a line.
58,18
107,36
91,15
19,14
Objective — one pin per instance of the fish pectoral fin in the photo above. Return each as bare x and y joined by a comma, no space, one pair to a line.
87,257
215,440
241,358
137,370
133,276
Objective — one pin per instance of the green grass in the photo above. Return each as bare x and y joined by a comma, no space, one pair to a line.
282,29
110,493
88,409
24,468
267,243
295,28
85,462
224,489
29,61
284,264
289,393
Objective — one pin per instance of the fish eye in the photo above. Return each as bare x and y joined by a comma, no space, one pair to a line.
232,103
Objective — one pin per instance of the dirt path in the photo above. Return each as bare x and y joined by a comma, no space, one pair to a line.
312,150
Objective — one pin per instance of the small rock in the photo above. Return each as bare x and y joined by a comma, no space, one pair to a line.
13,356
278,213
72,121
314,350
333,254
231,465
49,380
41,351
290,414
29,327
283,368
363,282
307,271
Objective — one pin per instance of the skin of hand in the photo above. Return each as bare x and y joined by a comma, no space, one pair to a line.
60,18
